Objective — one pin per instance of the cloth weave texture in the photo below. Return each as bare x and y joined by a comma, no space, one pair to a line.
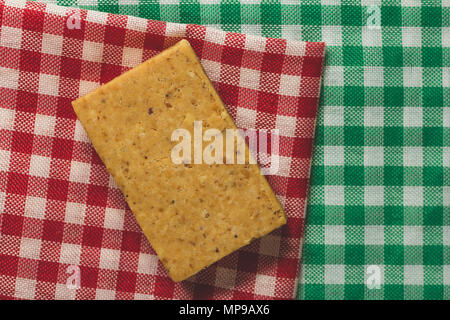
60,209
380,185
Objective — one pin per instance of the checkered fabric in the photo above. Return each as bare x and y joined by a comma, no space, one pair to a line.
380,191
60,209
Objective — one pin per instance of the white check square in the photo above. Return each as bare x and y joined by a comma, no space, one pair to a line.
373,116
334,235
374,195
9,78
148,263
286,125
10,37
245,118
334,274
114,218
35,207
412,156
52,44
412,76
413,274
332,35
212,69
25,288
413,196
412,116
48,84
412,36
79,172
373,76
333,76
334,195
87,86
40,166
44,125
109,259
290,85
334,155
333,116
30,248
371,36
265,285
70,254
413,235
374,235
373,156
75,212
5,156
92,51
132,56
249,78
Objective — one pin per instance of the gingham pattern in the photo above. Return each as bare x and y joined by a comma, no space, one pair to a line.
60,207
380,188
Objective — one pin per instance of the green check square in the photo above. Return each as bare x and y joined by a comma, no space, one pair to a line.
433,176
432,57
354,291
391,16
190,12
393,96
431,16
314,254
150,10
354,215
270,13
353,55
392,56
394,292
433,97
351,15
316,215
354,175
393,215
107,6
230,12
354,254
354,136
314,291
433,215
433,255
335,292
433,136
433,292
318,175
354,95
393,254
393,136
311,14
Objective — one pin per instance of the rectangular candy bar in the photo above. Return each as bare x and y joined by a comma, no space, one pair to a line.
192,213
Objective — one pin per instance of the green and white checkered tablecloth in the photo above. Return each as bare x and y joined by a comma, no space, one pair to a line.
378,220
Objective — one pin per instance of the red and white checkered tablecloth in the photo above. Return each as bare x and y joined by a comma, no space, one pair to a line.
62,215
